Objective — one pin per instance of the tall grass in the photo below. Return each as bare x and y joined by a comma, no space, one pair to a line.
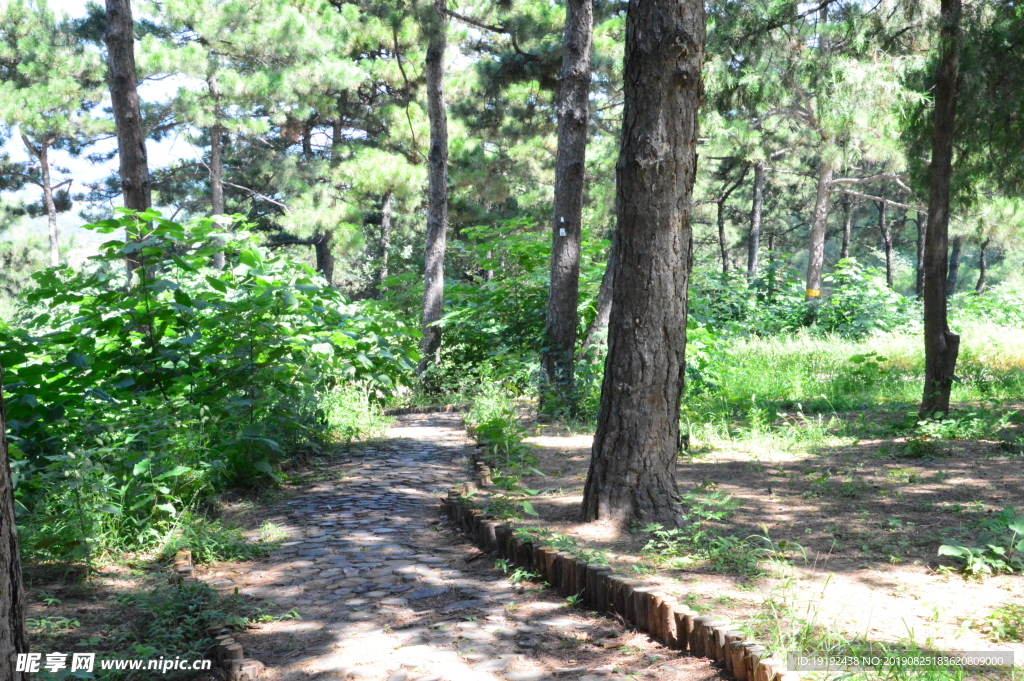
799,388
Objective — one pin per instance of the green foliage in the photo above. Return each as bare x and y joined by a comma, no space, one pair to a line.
210,541
973,425
560,542
518,574
1005,623
1000,546
862,303
353,414
699,539
129,406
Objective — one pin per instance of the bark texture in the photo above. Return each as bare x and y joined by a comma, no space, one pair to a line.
941,346
12,593
41,152
982,266
436,26
604,302
844,252
953,272
756,211
570,163
385,242
632,467
217,184
122,80
816,250
886,234
922,235
325,254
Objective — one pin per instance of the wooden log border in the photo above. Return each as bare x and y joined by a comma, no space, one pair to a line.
642,606
226,653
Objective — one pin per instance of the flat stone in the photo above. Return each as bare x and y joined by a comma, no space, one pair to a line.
427,592
526,676
461,605
498,665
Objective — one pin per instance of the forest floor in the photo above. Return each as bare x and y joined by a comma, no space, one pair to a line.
369,583
849,531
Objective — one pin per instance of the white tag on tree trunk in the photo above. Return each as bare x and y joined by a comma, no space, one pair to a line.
561,231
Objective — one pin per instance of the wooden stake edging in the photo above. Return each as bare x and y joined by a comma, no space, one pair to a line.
644,606
226,652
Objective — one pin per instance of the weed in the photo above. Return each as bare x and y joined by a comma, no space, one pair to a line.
1005,623
210,541
999,549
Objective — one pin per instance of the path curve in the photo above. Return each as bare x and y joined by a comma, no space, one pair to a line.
388,592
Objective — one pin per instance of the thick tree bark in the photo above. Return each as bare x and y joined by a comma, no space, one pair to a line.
982,266
122,80
436,27
385,243
756,210
723,244
12,593
307,139
883,229
816,249
632,468
325,255
604,302
844,252
922,234
953,273
573,115
217,184
941,346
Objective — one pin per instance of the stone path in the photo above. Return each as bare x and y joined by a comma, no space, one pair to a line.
388,592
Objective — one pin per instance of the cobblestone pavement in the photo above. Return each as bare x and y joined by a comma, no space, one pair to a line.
388,592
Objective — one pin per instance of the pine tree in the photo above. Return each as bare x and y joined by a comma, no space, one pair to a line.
632,468
49,83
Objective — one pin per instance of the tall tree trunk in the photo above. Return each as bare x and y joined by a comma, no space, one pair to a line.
982,266
816,249
122,80
883,229
953,273
217,184
922,234
604,301
573,115
42,155
307,139
844,252
754,242
632,467
325,255
941,346
436,26
385,243
723,244
13,640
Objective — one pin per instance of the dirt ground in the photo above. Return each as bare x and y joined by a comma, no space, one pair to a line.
869,522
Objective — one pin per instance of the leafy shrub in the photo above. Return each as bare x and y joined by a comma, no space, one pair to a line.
861,302
128,406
